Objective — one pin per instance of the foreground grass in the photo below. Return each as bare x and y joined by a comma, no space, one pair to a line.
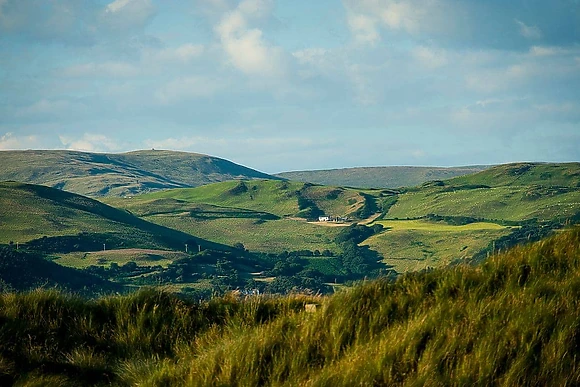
514,320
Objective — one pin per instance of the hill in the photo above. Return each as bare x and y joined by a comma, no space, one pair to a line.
513,320
264,215
432,225
46,218
511,192
442,221
100,174
379,177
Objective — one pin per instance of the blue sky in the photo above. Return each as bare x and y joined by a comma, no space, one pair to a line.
291,85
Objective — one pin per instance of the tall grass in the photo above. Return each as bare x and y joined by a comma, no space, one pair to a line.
514,320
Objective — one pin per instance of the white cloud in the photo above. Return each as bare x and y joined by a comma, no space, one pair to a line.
405,16
529,32
365,17
8,141
90,143
245,46
117,5
364,28
124,15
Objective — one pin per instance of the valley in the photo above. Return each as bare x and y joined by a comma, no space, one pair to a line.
278,235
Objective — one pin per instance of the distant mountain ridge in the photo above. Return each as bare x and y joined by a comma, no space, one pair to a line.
380,177
119,174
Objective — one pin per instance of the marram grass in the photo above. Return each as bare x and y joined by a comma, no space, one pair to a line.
512,321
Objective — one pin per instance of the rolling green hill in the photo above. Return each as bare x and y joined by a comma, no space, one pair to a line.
96,174
443,221
525,174
427,226
512,321
263,215
379,177
41,215
512,192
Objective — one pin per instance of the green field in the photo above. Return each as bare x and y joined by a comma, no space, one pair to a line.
417,244
270,236
142,257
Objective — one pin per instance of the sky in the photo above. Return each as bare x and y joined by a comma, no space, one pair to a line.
295,85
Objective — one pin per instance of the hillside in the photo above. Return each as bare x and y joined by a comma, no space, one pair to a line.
43,216
443,221
512,321
99,174
512,192
379,177
264,215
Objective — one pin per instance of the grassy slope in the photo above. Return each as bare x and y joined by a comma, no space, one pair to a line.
253,216
514,192
95,174
379,177
416,244
32,211
513,321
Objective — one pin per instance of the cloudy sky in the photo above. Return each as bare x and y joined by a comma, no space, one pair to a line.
291,85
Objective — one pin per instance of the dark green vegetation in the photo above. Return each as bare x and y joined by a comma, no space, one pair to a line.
21,270
514,320
379,177
97,174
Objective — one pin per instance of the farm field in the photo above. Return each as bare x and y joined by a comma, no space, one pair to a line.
411,245
265,236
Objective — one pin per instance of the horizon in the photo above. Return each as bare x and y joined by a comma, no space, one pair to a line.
293,170
298,86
